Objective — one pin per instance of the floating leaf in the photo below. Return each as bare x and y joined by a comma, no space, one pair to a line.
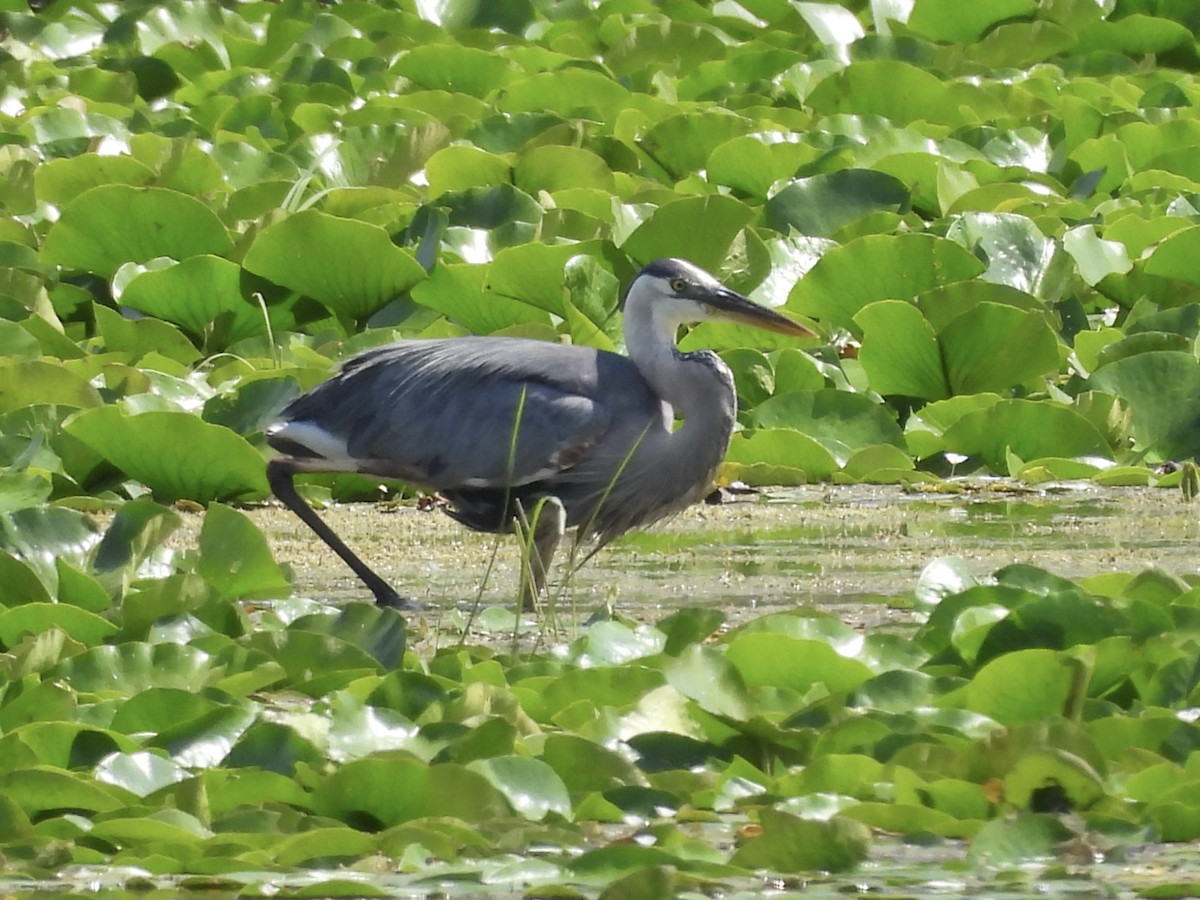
900,351
455,68
840,421
824,204
350,266
1006,842
175,454
711,680
1024,686
878,267
1163,392
531,786
700,229
105,227
782,661
993,347
140,773
791,844
551,168
779,451
1027,429
131,667
35,618
235,557
945,20
202,294
35,382
48,788
380,791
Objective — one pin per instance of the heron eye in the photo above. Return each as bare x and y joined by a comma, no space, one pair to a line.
678,285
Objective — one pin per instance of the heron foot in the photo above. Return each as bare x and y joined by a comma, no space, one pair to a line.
385,596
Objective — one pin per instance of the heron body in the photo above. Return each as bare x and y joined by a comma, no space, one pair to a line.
497,425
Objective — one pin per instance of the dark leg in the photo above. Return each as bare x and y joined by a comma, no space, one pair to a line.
549,521
280,473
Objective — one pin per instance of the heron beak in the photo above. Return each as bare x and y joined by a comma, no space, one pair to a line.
732,306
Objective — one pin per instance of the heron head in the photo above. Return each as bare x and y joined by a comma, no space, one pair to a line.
676,291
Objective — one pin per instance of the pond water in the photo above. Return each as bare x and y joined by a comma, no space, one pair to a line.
855,551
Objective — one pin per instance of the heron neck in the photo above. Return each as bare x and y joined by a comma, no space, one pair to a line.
696,390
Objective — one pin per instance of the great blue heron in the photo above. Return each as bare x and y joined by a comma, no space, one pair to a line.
497,425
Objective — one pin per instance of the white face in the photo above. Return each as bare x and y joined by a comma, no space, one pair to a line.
666,305
690,279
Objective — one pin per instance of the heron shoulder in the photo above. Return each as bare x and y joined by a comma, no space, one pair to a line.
710,363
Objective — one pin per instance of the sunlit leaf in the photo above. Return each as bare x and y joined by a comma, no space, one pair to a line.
350,266
1024,686
381,791
823,204
140,773
162,450
235,557
993,347
700,229
107,226
48,788
900,351
791,844
945,20
1028,429
840,421
878,267
531,786
34,618
781,661
202,294
1161,389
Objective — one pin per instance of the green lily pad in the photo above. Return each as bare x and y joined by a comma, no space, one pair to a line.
531,786
381,791
1161,388
49,788
824,204
791,844
34,382
782,450
1024,686
1027,429
235,557
162,449
202,294
840,421
700,229
35,618
994,347
105,227
944,20
900,351
352,267
778,660
878,267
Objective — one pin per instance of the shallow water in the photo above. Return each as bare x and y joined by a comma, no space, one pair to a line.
856,551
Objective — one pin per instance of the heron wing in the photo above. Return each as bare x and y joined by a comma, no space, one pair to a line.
469,412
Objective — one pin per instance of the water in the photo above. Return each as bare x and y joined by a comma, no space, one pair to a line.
856,551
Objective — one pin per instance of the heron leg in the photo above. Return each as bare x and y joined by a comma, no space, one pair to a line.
542,533
280,472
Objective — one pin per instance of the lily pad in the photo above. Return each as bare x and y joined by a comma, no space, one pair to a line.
162,449
878,267
352,267
107,226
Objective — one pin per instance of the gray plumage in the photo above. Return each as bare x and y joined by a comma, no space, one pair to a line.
496,424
